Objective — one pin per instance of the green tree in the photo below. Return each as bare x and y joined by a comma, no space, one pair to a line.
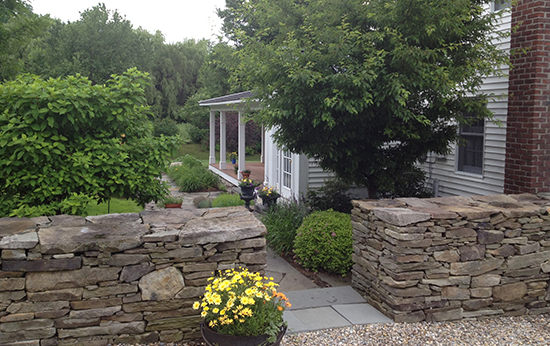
18,25
215,76
65,142
103,42
175,72
366,87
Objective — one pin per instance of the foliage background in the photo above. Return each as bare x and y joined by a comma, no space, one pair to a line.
367,88
65,142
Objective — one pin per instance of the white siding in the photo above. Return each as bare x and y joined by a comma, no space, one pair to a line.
491,181
316,175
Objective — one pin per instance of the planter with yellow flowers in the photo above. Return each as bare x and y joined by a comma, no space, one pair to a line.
241,308
269,196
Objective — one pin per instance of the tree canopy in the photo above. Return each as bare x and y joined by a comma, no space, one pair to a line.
366,87
103,42
65,142
18,25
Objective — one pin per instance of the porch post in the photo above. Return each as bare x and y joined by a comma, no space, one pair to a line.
263,146
242,146
223,140
212,158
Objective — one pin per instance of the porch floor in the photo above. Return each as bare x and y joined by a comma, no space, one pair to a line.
257,170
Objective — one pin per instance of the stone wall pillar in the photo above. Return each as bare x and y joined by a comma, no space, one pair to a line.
527,168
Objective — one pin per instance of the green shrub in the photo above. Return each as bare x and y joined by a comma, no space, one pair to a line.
408,183
227,200
65,143
166,127
192,176
183,132
205,204
333,195
324,241
198,135
282,222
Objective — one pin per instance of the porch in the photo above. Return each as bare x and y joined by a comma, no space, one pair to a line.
257,172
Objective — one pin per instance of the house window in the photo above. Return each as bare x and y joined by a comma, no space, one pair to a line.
470,150
501,4
287,169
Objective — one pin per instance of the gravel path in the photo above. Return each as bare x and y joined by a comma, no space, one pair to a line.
504,331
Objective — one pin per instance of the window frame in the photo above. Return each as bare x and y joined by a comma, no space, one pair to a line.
501,4
464,154
287,169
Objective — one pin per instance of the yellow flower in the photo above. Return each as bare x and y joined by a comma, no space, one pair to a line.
215,310
203,314
196,305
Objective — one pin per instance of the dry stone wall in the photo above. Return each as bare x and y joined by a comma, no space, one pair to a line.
453,258
118,278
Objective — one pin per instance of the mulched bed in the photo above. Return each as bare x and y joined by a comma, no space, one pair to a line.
307,273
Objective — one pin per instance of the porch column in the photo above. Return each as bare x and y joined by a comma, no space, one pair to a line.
212,158
223,140
263,146
242,146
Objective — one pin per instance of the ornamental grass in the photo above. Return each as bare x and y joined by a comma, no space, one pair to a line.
242,303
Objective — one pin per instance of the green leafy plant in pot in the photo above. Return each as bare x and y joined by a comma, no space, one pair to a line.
170,202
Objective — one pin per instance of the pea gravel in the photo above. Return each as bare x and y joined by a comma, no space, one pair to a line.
509,331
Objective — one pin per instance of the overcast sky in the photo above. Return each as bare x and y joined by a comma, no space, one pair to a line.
177,19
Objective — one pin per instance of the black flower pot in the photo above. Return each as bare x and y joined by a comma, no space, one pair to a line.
247,191
269,201
212,338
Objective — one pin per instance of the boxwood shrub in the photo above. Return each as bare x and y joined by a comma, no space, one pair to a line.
324,241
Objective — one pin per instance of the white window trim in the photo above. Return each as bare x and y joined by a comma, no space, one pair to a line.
457,155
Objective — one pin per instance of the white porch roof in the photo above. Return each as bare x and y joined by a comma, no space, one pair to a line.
239,102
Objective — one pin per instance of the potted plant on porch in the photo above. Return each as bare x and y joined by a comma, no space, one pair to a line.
233,157
242,308
246,173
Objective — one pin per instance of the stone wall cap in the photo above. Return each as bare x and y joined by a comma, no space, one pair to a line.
437,213
92,237
495,198
516,210
15,225
453,200
400,216
67,221
471,213
371,204
115,218
418,202
215,228
170,216
530,197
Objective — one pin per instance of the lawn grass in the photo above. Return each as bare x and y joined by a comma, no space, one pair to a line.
118,206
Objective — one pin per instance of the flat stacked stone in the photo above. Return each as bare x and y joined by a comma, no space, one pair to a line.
119,278
453,258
